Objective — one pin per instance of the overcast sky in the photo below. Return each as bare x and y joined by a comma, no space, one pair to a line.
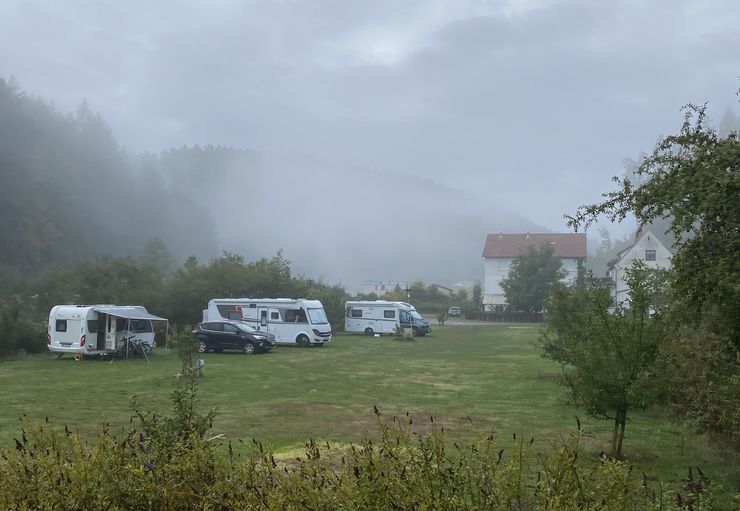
530,103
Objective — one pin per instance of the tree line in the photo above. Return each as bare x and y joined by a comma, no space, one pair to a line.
177,293
69,193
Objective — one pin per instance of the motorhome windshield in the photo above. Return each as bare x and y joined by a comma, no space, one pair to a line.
416,315
317,316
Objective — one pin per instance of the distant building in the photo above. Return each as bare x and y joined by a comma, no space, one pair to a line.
648,248
443,290
380,288
501,249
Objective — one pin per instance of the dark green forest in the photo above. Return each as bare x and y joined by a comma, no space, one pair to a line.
69,193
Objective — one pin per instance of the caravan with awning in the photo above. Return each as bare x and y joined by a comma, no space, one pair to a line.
99,329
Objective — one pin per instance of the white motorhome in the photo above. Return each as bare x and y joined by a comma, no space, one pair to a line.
383,317
99,329
291,321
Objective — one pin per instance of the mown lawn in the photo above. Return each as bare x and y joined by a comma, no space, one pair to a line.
473,380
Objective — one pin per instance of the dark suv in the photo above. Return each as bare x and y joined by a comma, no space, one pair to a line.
232,335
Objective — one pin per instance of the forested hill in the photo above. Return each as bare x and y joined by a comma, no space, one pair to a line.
68,192
338,221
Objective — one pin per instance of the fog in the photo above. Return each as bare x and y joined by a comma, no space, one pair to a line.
382,140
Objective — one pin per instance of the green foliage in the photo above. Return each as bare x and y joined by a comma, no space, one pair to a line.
692,181
531,278
169,463
20,330
185,344
693,178
608,353
698,371
477,296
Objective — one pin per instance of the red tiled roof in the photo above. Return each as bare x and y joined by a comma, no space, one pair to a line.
511,245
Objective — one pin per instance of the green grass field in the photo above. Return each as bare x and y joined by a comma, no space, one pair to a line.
471,379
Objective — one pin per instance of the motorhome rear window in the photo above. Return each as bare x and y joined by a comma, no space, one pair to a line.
61,325
92,325
356,313
389,314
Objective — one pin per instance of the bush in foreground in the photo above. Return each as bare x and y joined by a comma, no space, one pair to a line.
171,463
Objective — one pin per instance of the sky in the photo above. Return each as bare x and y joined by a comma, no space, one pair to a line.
532,105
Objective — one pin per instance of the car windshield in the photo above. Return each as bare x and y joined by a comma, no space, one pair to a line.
244,327
416,315
317,316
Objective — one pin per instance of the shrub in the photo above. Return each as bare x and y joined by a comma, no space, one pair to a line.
171,463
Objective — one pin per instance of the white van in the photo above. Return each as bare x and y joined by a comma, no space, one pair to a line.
383,317
291,321
99,329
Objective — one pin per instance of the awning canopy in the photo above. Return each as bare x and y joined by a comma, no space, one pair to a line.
129,313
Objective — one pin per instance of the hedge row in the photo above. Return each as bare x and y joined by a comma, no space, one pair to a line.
507,317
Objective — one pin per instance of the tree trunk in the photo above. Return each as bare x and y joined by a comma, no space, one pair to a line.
622,423
615,436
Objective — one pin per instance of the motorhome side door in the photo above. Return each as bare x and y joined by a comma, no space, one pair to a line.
405,319
264,324
110,332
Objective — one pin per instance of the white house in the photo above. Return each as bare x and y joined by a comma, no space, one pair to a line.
647,248
380,288
501,249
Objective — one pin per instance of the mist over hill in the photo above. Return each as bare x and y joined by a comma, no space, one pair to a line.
70,193
340,222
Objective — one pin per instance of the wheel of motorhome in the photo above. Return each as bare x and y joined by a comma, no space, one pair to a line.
202,347
303,340
248,348
369,331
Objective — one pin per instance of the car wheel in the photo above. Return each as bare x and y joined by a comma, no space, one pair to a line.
303,340
369,331
249,348
202,347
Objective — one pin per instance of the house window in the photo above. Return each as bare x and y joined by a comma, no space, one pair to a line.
650,255
356,313
389,314
61,325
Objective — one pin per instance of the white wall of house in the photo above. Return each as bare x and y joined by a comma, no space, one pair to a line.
496,269
648,249
382,287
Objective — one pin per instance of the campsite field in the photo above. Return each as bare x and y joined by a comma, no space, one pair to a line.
472,379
